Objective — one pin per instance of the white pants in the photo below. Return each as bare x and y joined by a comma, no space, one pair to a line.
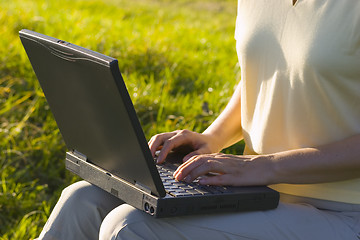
85,211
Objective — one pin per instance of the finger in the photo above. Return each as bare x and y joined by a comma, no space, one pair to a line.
155,142
184,165
180,138
158,140
218,180
194,153
204,164
197,166
192,163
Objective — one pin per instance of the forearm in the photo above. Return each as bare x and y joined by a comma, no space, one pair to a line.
226,129
332,162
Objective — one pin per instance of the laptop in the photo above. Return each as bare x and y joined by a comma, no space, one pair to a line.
106,144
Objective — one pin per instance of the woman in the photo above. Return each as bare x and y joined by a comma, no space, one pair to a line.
297,108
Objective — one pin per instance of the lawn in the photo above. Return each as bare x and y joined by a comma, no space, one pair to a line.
178,61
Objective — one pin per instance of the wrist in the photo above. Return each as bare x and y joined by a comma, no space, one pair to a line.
220,139
212,142
268,165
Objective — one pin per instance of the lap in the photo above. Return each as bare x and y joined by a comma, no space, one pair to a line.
82,208
288,221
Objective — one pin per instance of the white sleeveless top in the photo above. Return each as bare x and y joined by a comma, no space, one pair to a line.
300,80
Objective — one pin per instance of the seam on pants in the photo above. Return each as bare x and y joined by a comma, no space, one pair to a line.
123,227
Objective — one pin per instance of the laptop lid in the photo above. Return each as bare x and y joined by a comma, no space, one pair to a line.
85,90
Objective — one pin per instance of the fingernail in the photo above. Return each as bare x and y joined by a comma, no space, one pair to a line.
176,171
177,177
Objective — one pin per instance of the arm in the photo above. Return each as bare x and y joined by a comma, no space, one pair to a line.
226,129
331,162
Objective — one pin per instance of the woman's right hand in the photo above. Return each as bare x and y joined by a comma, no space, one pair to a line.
194,143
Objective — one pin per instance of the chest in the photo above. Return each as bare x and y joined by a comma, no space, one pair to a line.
321,34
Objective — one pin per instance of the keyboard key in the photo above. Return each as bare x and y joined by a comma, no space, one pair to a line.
177,188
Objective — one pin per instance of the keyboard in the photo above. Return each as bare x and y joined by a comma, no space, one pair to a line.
181,189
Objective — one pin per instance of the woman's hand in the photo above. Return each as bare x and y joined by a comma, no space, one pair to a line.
224,169
335,161
223,132
192,142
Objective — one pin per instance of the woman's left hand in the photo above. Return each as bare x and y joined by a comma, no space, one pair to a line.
225,169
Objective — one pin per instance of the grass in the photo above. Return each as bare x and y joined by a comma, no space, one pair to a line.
177,58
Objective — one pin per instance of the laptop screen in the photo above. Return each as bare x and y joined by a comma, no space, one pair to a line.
92,108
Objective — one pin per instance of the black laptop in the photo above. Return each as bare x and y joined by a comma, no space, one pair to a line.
106,144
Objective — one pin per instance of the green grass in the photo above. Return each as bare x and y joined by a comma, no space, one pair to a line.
175,57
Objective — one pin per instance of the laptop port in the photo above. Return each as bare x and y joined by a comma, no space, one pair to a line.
152,210
146,207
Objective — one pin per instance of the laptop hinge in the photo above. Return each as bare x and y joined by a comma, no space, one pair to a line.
143,187
79,155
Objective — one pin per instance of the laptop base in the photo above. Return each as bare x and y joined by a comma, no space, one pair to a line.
261,198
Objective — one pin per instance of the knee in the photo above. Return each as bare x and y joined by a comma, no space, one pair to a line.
85,196
118,220
78,192
77,199
76,187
